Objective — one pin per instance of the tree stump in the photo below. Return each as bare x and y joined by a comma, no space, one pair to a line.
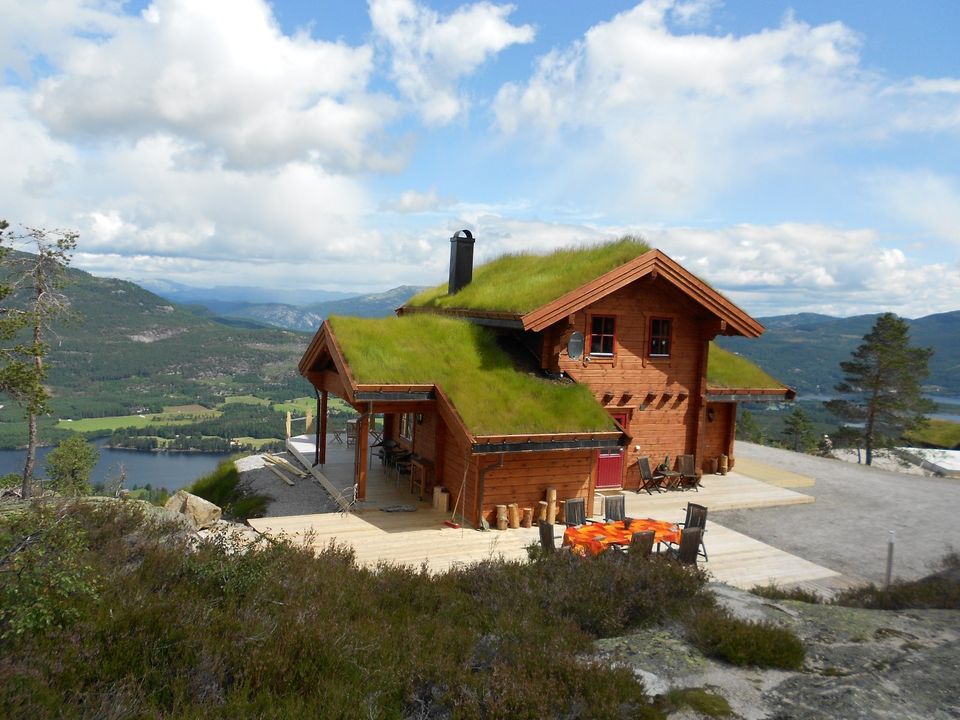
501,517
527,520
513,515
551,505
542,510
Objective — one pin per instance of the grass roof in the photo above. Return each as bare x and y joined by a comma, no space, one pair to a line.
465,361
727,370
524,282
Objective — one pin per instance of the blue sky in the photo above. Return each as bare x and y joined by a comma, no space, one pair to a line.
799,156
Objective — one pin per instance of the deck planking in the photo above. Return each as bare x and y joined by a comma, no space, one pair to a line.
420,538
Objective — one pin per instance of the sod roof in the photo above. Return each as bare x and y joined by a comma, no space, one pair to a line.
727,370
464,361
523,282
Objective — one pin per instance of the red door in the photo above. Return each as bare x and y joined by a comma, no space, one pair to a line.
610,461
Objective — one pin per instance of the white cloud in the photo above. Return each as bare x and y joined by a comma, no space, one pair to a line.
793,267
220,74
429,54
925,200
412,201
664,123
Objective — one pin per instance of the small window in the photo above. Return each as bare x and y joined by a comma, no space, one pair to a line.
406,426
660,337
602,328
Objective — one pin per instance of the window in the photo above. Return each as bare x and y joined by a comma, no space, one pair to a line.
602,329
406,426
660,337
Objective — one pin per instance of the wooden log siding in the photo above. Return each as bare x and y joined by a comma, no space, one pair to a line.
456,456
718,433
659,394
525,477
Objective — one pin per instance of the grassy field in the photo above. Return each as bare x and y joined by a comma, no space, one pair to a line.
939,433
173,415
256,442
246,400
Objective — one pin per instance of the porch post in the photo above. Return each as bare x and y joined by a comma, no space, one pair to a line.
363,441
320,456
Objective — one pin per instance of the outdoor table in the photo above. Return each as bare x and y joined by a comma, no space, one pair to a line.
597,537
671,479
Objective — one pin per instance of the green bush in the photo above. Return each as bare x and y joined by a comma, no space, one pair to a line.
222,487
697,699
775,592
940,590
717,633
69,466
45,581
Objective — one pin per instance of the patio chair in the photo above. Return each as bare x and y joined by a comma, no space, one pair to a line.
575,512
686,466
641,543
547,540
697,518
686,552
649,480
614,508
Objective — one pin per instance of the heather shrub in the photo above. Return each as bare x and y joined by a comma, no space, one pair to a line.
717,633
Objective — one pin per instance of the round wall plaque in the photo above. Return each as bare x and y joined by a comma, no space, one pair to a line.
575,345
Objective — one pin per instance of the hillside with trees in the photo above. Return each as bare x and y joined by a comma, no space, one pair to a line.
805,350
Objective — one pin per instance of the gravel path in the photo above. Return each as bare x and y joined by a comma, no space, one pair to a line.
305,497
847,528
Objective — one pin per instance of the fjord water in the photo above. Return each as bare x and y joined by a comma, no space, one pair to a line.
160,469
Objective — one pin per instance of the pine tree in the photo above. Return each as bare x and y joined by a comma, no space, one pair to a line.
22,373
798,428
883,379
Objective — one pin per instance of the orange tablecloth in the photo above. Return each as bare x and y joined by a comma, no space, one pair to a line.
597,537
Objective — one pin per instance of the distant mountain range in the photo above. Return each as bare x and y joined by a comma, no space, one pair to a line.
290,316
237,294
805,350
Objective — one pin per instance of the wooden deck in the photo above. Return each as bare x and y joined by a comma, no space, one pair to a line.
420,538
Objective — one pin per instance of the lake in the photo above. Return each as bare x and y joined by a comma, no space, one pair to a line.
947,410
160,469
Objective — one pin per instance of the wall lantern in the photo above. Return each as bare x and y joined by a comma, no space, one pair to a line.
711,414
419,418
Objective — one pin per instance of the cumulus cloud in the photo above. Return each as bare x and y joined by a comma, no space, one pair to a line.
667,121
223,75
430,53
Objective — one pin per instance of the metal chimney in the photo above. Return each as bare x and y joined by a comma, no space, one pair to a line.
461,261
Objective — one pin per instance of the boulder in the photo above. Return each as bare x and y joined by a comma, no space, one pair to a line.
201,513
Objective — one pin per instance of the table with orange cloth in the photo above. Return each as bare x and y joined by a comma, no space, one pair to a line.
597,537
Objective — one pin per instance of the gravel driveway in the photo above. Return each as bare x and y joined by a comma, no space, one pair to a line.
847,528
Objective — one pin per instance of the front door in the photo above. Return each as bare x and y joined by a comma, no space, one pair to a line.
610,461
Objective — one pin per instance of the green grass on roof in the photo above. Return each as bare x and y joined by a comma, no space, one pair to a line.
465,361
523,282
727,370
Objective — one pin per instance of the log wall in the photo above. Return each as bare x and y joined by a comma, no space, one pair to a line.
661,396
525,477
718,433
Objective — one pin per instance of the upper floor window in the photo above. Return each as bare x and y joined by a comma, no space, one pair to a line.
660,337
602,329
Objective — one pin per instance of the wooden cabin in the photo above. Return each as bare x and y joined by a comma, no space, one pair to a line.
545,371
